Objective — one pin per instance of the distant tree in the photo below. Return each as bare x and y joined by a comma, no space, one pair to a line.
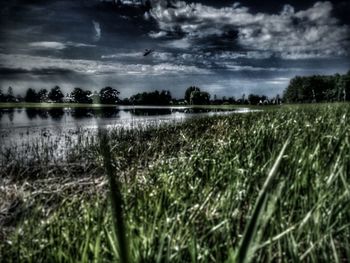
125,101
254,99
231,100
95,97
109,95
55,94
31,96
9,96
19,98
165,97
81,96
318,88
343,87
188,93
199,98
152,98
2,96
42,95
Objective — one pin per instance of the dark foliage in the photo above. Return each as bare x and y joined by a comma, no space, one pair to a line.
199,98
43,95
9,97
109,95
188,92
56,95
79,95
152,98
257,99
31,96
318,88
2,96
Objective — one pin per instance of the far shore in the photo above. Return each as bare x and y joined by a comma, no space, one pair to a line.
13,105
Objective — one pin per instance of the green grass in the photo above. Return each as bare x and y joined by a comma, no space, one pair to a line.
259,187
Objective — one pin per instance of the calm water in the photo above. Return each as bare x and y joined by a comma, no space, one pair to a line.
62,127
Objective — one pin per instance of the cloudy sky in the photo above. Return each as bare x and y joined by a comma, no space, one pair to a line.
225,47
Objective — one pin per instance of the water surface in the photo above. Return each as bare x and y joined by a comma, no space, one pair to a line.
61,127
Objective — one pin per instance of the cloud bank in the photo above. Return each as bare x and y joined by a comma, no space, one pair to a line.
291,34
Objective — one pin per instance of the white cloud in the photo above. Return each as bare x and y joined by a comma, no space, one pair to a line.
56,45
97,30
93,67
178,44
48,45
246,54
157,34
313,32
236,67
123,55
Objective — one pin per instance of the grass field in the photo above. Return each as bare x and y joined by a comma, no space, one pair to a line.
260,187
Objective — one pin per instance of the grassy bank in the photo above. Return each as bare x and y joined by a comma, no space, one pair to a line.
209,190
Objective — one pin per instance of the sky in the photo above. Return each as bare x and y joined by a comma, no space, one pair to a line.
227,48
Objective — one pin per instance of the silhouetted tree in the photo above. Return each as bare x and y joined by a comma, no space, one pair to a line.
81,96
343,87
152,98
199,98
31,96
318,88
108,95
231,100
43,95
188,92
126,101
56,95
2,96
254,99
9,96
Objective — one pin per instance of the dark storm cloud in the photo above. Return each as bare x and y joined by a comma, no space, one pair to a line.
36,71
94,67
221,45
313,32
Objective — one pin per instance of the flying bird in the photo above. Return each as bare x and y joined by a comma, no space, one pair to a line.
147,52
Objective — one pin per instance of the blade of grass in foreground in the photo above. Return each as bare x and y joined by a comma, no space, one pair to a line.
116,199
250,231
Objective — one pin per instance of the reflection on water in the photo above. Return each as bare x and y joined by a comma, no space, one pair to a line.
151,112
39,117
56,114
65,128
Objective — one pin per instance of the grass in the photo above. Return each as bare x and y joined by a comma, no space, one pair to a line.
260,187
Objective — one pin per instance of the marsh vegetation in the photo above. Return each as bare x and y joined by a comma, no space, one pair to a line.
263,186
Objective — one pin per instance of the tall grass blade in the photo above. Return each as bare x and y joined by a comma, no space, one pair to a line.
250,231
116,199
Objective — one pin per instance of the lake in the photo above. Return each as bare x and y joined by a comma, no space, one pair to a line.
21,127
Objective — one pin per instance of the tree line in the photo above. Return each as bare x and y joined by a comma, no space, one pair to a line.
108,95
318,88
301,89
